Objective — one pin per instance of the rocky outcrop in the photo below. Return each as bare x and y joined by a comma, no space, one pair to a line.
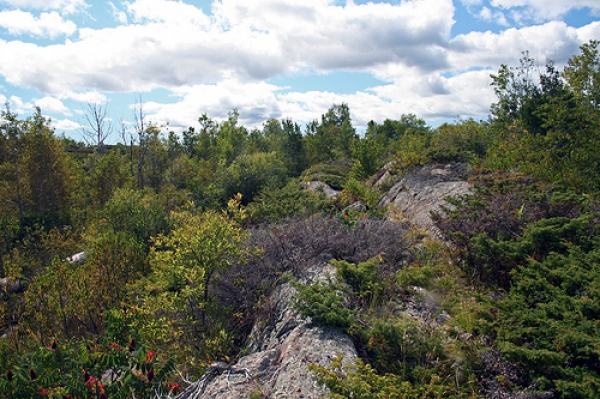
417,194
280,350
283,343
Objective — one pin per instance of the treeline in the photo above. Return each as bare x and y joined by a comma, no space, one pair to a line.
168,221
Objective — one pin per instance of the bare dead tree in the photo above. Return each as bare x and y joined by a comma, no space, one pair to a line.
139,118
97,125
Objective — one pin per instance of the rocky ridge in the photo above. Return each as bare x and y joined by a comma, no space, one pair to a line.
280,351
282,346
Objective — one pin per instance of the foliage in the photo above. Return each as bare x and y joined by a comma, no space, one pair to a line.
275,204
547,124
361,381
100,369
250,173
36,180
139,213
333,174
405,358
116,260
169,265
487,226
549,320
464,141
357,191
185,263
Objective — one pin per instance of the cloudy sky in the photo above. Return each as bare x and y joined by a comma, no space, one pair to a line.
274,58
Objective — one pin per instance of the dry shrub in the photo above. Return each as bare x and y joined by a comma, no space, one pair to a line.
290,247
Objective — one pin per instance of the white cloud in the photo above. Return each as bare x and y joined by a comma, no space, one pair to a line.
119,15
89,97
18,106
51,104
255,101
544,10
47,24
65,6
253,40
497,17
553,40
169,11
589,32
215,63
471,3
66,124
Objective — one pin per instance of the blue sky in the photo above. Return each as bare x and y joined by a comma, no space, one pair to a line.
274,58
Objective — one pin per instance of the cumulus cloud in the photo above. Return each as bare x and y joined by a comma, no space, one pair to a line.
553,40
51,24
168,11
255,101
65,6
19,106
66,124
172,44
214,63
51,104
488,15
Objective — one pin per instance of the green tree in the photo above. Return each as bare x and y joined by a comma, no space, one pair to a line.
230,140
185,264
140,214
250,173
332,138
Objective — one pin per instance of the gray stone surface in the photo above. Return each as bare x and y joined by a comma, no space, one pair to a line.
280,351
419,193
320,187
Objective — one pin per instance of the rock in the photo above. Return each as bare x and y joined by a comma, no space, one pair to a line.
12,285
384,175
422,305
77,259
320,187
425,190
358,206
280,351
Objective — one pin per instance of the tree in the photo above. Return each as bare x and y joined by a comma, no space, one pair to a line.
250,173
42,174
514,86
230,139
138,213
98,126
293,148
185,263
583,75
11,165
139,118
331,139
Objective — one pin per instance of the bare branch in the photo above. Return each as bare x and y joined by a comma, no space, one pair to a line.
97,125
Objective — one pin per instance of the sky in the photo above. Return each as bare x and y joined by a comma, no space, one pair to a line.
279,59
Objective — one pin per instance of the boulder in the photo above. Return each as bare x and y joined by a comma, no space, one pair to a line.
320,187
77,259
280,350
425,190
